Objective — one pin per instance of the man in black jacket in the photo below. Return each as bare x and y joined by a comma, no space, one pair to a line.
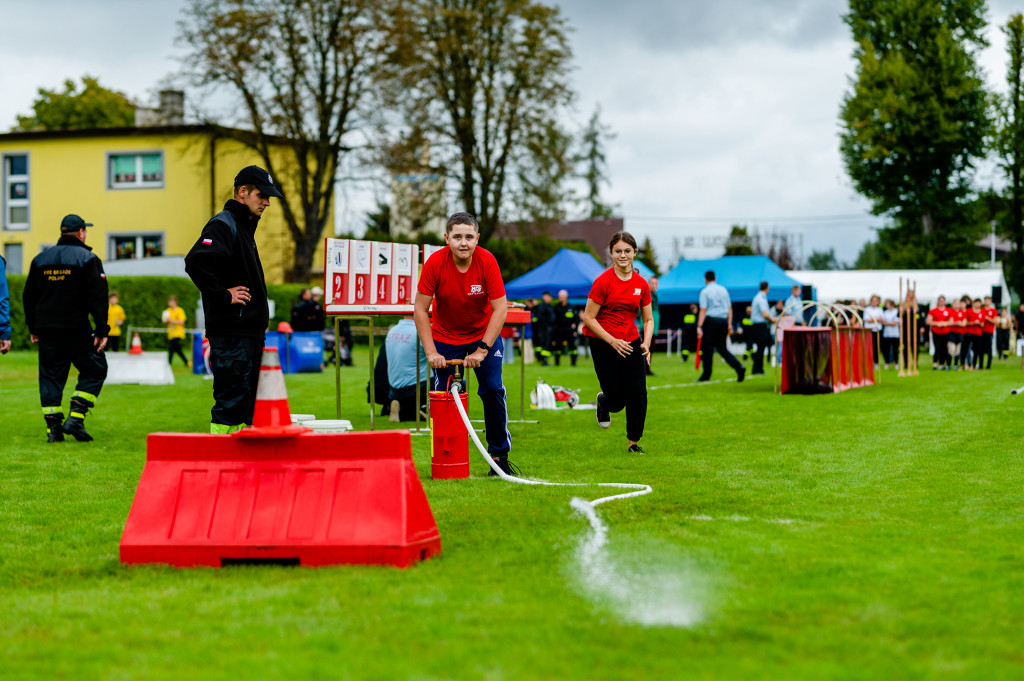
225,266
65,286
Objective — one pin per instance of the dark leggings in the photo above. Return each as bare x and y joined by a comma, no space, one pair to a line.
624,384
174,348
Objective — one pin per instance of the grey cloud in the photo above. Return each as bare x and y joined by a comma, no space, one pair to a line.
678,26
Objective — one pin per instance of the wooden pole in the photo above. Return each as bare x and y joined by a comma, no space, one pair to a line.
899,356
917,342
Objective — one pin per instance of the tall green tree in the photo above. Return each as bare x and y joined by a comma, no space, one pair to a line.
915,123
1010,146
594,164
481,78
648,257
740,241
823,260
301,72
543,194
869,258
92,106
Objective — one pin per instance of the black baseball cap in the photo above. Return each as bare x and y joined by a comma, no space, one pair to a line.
259,177
73,223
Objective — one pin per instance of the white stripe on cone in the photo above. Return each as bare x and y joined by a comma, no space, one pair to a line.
271,396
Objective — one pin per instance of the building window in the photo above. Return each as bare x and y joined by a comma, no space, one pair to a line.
16,191
130,246
132,171
12,254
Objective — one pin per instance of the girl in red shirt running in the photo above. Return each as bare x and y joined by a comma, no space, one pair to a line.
620,357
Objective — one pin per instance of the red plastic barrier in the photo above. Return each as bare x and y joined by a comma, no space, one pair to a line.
310,499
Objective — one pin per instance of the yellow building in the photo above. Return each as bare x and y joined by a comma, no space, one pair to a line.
147,190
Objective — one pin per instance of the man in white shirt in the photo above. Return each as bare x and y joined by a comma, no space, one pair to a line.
794,305
760,316
713,324
873,322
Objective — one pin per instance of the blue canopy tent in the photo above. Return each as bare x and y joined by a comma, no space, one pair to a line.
643,270
740,274
571,270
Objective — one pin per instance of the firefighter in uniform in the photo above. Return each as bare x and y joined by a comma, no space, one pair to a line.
563,332
690,332
225,266
65,286
542,321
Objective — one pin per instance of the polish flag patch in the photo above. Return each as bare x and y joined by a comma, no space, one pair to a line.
208,242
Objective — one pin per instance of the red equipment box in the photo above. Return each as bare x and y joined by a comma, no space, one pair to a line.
311,499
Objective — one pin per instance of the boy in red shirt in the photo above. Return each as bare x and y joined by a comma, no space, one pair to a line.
464,283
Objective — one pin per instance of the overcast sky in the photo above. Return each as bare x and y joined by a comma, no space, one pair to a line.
723,111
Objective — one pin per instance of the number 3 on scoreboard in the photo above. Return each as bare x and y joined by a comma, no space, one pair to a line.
359,288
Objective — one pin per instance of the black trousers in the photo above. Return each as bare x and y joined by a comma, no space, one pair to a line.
941,343
890,349
624,384
983,348
174,348
763,338
58,350
113,343
716,331
235,361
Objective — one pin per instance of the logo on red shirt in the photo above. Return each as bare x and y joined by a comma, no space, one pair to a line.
636,292
476,289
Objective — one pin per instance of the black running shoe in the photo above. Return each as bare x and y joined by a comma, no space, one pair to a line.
635,449
507,467
604,419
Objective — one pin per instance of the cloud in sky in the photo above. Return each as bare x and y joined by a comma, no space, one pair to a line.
724,111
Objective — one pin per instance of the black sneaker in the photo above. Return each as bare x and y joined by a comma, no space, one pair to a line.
635,449
741,374
506,466
75,427
604,419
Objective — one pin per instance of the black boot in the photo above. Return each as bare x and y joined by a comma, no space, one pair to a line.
75,425
572,358
53,427
558,359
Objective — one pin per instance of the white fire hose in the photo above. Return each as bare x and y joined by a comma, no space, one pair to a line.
576,502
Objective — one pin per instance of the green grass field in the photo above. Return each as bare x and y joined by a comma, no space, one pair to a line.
875,534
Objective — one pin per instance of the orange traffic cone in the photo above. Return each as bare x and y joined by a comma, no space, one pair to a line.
272,416
136,348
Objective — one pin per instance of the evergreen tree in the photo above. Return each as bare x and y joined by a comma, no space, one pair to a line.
823,260
915,123
594,173
648,257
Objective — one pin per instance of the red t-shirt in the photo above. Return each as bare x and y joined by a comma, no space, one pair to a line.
940,315
462,300
619,300
990,314
973,316
957,316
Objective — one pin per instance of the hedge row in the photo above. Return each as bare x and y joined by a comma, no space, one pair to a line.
144,299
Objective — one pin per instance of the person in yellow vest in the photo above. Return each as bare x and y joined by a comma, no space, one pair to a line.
116,318
174,317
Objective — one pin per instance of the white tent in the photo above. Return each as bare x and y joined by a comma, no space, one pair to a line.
833,285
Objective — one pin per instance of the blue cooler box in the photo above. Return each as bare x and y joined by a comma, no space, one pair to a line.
306,352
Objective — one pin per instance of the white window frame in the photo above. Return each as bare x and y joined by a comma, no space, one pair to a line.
8,202
138,183
139,237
